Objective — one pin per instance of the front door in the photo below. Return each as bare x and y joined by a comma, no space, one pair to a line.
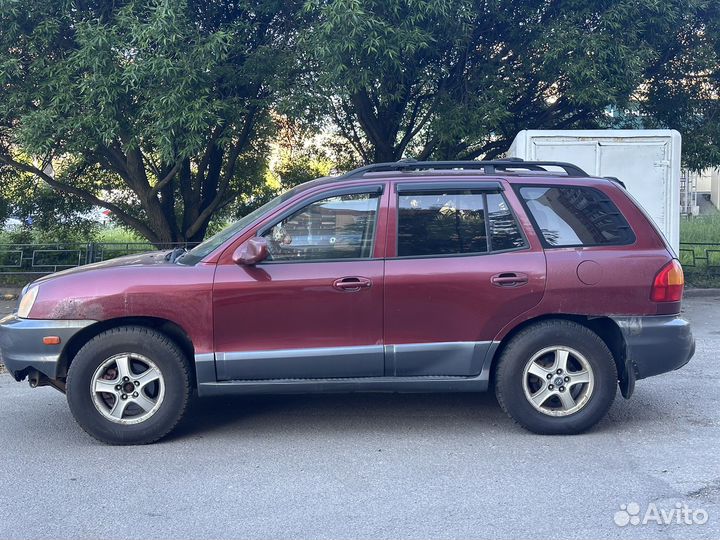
313,309
462,269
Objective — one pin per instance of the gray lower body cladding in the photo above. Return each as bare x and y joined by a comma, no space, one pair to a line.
416,367
655,344
22,349
448,359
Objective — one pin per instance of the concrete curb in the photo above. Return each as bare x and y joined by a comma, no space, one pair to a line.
699,293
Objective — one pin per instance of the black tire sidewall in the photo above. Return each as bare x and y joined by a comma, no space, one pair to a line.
509,381
138,340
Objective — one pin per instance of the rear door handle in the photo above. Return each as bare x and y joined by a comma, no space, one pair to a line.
352,284
509,279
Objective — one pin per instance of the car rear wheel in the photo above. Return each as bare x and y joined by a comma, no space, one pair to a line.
129,385
556,377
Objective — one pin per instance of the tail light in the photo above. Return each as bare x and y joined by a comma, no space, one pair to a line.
669,283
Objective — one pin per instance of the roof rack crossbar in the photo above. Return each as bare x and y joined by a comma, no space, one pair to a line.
488,167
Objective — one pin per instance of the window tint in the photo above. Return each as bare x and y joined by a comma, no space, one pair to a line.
504,230
341,227
441,223
573,216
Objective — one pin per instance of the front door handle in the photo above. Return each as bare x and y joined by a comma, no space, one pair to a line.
509,279
352,284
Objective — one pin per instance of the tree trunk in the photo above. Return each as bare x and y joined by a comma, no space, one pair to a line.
385,152
179,205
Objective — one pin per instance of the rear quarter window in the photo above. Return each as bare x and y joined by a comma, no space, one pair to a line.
567,216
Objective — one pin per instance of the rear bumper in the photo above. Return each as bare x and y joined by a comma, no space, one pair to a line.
656,344
22,349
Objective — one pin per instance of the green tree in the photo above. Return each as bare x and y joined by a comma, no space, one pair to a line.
457,79
153,109
683,81
379,68
46,215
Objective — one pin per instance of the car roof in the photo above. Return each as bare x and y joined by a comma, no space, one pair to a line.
511,170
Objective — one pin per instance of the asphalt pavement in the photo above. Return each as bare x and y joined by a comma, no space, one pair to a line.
375,466
7,307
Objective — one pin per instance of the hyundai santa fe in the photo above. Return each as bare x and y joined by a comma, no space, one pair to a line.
534,279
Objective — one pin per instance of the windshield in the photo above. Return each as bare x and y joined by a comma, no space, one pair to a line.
202,250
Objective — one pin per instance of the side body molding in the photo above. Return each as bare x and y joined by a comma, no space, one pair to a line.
421,367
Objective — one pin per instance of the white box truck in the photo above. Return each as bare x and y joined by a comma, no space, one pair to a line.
647,161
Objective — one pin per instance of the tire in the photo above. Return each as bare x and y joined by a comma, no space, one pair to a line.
527,373
142,409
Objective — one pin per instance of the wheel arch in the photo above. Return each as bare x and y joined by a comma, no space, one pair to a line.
167,327
606,328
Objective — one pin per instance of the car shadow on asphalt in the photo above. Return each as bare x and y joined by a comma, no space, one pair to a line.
43,414
313,412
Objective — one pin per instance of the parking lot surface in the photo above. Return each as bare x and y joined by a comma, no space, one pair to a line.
374,466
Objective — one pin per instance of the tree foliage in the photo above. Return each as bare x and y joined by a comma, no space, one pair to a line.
457,79
51,215
165,111
682,87
152,104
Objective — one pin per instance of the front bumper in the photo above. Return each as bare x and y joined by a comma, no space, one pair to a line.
22,349
655,344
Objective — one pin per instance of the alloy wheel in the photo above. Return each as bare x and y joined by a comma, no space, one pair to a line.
127,388
558,381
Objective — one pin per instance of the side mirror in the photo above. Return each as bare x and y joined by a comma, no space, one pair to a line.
251,251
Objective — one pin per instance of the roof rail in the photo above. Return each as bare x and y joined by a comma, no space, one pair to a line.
488,167
616,180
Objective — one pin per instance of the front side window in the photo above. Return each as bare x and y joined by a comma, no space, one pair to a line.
204,249
576,216
337,227
441,223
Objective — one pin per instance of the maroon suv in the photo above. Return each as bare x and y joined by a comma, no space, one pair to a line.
554,287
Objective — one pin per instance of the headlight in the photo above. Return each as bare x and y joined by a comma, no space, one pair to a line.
27,301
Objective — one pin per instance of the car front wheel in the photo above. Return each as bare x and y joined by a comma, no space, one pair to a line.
556,377
129,385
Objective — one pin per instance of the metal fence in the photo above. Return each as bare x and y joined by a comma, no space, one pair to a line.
700,258
27,259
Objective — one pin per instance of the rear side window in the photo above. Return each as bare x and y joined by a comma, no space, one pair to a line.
447,223
504,230
576,216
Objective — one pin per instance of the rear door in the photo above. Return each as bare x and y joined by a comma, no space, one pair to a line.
459,268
